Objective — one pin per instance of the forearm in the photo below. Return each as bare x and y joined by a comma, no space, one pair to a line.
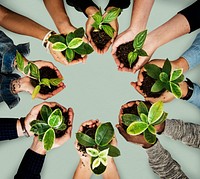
188,133
111,170
82,171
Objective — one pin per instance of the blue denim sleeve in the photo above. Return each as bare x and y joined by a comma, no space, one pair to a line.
8,52
6,94
192,55
195,98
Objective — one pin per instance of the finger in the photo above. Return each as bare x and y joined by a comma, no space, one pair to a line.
84,59
44,96
59,89
121,131
107,47
71,116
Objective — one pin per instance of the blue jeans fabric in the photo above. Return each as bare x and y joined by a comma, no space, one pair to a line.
7,57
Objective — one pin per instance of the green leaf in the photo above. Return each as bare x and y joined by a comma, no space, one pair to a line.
62,127
167,67
56,38
104,160
139,40
79,32
34,71
152,129
108,30
26,69
39,128
55,81
104,153
19,61
92,152
127,119
113,151
69,53
164,77
95,163
144,118
97,17
55,119
141,52
112,15
142,108
49,138
104,134
37,121
85,140
137,128
155,112
157,86
36,91
59,46
176,74
95,25
132,57
45,112
98,170
176,90
152,70
69,37
75,43
149,137
179,79
40,137
84,49
161,119
45,81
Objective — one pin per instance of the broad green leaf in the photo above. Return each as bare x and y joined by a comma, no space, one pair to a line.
144,118
142,108
104,160
155,112
112,15
167,86
85,140
36,91
176,74
75,43
45,112
108,30
59,46
19,61
161,120
104,134
104,153
62,127
164,77
97,17
37,121
55,81
92,152
69,53
176,90
152,70
98,170
179,79
157,86
45,81
132,57
167,67
34,71
55,119
79,32
127,119
95,163
26,69
149,137
56,38
84,49
40,137
39,128
113,151
48,139
139,40
137,128
141,52
95,25
152,129
69,37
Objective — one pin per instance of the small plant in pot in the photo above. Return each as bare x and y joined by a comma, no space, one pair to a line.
102,31
157,80
145,120
128,53
44,80
96,142
51,123
71,45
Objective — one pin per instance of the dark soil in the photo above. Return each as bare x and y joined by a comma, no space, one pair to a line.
122,54
45,72
147,84
100,38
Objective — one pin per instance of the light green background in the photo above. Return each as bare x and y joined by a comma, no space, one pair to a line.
96,90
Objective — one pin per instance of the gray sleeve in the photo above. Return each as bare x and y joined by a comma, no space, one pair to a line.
188,133
163,164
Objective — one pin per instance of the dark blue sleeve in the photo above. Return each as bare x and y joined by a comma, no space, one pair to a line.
122,4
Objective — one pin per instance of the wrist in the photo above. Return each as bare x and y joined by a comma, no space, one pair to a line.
91,10
187,89
37,147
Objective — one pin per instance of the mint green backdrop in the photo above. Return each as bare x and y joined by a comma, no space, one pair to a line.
96,90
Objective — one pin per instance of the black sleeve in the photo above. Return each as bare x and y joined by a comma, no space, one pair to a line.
122,4
8,129
31,166
192,14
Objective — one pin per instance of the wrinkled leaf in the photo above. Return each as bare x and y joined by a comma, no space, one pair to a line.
84,49
45,81
69,53
152,129
142,108
149,137
176,90
161,119
127,119
137,128
79,32
157,86
85,140
59,46
167,67
97,17
56,38
34,71
139,40
92,152
155,112
176,74
164,77
75,43
112,15
55,119
55,81
132,57
45,112
152,70
36,91
19,61
48,139
69,37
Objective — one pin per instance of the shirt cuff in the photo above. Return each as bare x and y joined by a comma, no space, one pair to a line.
155,150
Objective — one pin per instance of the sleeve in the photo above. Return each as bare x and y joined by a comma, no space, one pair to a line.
192,14
6,94
8,129
31,166
8,52
119,3
195,98
192,55
188,133
163,164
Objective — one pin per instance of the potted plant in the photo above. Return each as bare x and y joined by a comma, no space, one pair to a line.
71,45
96,143
143,120
129,52
51,123
102,32
157,80
44,80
